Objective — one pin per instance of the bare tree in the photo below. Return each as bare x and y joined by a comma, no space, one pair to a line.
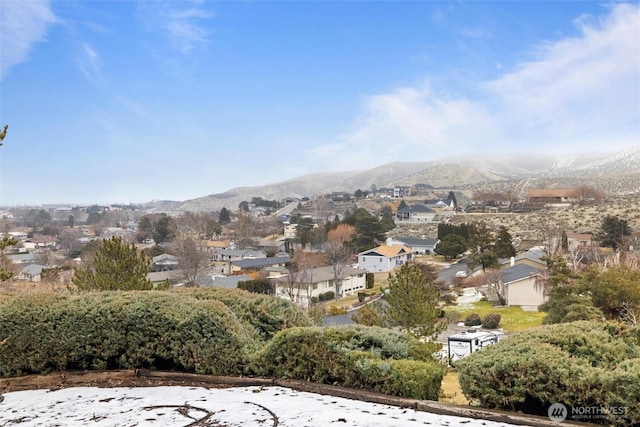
629,314
193,260
245,229
549,232
290,284
339,252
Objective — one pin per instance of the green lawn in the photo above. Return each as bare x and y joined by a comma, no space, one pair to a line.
514,319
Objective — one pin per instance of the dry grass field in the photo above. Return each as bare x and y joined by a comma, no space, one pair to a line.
530,228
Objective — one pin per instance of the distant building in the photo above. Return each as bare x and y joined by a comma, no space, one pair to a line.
415,214
418,246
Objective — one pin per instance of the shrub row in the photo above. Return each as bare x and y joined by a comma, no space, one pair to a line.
354,356
580,364
490,321
213,331
121,330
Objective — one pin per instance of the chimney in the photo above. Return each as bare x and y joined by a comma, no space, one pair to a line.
513,261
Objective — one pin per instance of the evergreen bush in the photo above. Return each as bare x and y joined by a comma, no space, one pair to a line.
266,314
579,364
491,321
354,356
473,320
187,331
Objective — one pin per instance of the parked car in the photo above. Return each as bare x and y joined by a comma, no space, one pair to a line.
461,273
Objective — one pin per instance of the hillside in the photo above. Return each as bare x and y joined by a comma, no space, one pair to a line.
615,174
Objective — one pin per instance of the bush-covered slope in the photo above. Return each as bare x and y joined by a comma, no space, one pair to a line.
354,356
580,364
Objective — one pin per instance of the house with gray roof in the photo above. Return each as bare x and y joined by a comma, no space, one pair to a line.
32,273
308,284
532,257
236,254
419,246
248,266
519,286
226,282
415,214
164,262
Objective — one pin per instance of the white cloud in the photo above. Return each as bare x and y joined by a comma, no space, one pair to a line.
578,94
90,62
182,22
579,84
22,24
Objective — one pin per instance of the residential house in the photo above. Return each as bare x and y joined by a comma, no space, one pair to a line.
226,282
172,276
38,242
384,258
441,204
415,214
418,246
518,287
401,191
164,262
236,254
256,267
290,231
552,197
28,258
31,273
318,281
532,258
576,242
18,235
271,246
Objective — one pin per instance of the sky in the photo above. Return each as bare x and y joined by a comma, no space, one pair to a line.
131,101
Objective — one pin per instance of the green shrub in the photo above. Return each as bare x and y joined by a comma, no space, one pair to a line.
491,321
587,364
266,314
473,320
370,280
145,329
354,356
327,296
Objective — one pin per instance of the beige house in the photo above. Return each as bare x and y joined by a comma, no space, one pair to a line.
578,242
309,284
518,287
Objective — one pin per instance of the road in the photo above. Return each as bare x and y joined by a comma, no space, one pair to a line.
448,273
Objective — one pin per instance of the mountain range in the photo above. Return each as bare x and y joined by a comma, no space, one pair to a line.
615,174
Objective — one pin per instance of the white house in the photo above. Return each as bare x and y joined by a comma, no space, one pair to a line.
384,258
415,214
418,246
311,283
518,287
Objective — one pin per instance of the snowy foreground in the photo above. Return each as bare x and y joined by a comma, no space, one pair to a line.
190,406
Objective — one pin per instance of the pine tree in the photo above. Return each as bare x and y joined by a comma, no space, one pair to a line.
5,272
504,244
116,266
412,302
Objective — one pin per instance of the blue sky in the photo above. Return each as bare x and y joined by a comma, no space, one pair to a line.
129,101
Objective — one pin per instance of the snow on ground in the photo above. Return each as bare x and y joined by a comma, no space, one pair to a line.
469,297
184,406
